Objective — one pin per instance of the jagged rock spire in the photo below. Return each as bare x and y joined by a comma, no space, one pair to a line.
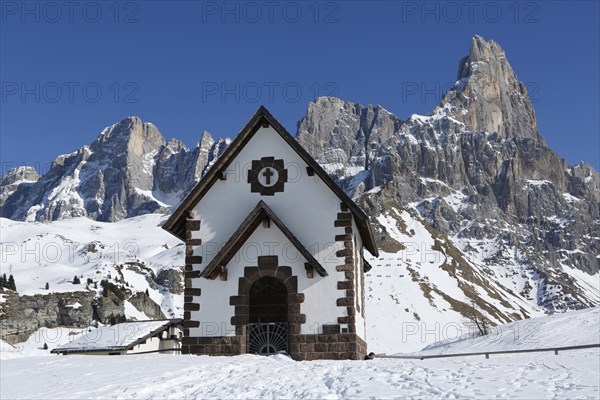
488,97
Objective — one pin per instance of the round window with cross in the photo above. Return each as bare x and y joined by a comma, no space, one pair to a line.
267,176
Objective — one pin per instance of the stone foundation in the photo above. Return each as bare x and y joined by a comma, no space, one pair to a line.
338,346
214,346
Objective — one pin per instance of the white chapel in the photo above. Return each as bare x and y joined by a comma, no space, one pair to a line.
274,253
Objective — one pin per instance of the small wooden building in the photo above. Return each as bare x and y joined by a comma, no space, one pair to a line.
274,253
152,336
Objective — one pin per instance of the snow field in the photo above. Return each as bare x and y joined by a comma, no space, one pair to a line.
574,328
568,375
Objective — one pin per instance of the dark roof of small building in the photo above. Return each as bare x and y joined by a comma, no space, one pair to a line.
118,337
176,223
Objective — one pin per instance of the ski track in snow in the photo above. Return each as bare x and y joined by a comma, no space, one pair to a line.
568,375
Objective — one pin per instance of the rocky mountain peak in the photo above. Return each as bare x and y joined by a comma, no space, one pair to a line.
482,50
19,174
128,170
206,140
477,171
488,97
175,145
129,135
208,150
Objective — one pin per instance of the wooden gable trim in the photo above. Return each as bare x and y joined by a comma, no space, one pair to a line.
166,326
262,118
260,213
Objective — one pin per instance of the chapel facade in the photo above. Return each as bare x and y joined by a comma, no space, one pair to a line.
274,253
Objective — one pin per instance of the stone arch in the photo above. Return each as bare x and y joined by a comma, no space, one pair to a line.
268,266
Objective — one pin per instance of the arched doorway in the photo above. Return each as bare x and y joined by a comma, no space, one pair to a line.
268,301
268,311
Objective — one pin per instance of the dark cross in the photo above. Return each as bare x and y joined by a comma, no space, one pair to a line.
268,174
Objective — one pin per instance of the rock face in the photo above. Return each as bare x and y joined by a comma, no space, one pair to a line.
345,137
145,304
488,96
20,316
477,170
128,170
171,280
20,176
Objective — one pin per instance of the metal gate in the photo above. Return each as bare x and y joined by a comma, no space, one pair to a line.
268,338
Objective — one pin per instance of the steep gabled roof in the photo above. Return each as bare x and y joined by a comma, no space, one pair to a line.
260,213
176,223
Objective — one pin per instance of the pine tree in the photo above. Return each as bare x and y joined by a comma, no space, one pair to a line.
147,292
47,286
45,346
3,281
76,280
11,283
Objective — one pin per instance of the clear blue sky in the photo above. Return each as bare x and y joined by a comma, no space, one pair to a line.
67,70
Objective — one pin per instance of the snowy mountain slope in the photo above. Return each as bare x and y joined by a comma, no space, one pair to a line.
426,290
34,345
574,328
142,263
423,288
36,253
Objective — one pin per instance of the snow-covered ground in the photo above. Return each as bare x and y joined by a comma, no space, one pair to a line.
574,328
34,346
568,375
